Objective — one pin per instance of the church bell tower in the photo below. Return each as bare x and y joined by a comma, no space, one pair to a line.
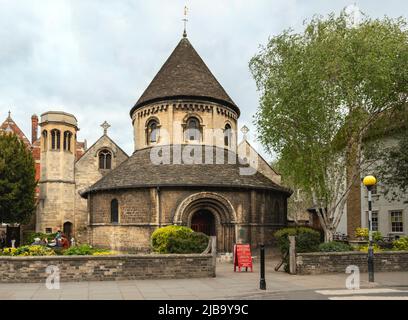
55,209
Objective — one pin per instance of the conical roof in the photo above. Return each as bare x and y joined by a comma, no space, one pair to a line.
185,76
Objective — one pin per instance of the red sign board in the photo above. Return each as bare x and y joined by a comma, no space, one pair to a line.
242,257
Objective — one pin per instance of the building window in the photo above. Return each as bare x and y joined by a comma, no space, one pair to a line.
105,159
114,211
227,135
373,190
374,220
45,139
152,132
397,224
55,139
67,140
48,230
193,129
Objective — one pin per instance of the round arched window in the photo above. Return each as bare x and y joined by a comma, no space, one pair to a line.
152,133
193,129
105,159
227,135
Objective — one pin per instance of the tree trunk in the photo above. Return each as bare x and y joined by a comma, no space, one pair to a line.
328,235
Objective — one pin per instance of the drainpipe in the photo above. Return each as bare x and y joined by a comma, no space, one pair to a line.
158,205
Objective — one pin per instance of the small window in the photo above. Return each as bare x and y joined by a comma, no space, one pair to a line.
193,129
105,159
67,140
114,211
152,132
45,139
397,224
55,139
227,135
48,230
374,220
374,190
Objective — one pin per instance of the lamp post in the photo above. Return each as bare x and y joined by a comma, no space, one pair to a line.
369,182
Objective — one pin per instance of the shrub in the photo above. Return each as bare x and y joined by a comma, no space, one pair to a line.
363,233
178,239
85,250
307,239
364,248
335,246
29,238
400,244
28,251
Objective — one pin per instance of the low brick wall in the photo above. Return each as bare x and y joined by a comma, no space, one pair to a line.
118,267
328,262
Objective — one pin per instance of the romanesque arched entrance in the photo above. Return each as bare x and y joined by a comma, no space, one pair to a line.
210,213
203,221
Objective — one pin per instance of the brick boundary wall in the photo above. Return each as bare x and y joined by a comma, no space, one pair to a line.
337,262
98,268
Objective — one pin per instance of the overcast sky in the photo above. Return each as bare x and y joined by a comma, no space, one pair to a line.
94,58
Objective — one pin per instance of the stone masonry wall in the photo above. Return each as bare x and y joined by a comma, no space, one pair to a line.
329,262
87,172
96,268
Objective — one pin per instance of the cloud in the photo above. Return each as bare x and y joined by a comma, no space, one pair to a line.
94,58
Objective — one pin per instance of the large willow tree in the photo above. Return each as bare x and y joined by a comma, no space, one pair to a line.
320,92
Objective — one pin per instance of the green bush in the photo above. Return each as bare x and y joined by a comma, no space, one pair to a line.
363,234
30,236
83,250
400,244
178,239
364,248
307,239
335,246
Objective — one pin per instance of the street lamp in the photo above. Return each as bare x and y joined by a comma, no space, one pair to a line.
369,182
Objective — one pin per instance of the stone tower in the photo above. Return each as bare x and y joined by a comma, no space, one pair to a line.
55,209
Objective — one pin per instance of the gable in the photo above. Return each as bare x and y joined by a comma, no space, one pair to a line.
257,162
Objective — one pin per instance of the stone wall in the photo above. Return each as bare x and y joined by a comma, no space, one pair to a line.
172,115
87,172
250,216
97,268
328,262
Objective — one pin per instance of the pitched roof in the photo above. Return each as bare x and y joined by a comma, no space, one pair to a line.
10,126
90,149
139,171
185,75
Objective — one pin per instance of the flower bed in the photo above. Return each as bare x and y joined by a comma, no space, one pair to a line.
39,250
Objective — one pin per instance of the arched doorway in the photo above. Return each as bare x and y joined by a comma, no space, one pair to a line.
209,213
68,230
203,221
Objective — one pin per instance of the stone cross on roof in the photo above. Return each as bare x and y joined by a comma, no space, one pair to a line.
245,131
105,127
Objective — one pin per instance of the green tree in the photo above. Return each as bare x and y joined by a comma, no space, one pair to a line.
320,92
17,180
394,175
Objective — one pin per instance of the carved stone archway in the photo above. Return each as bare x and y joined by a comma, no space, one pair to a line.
222,210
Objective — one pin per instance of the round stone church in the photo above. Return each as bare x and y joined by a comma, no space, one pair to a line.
187,168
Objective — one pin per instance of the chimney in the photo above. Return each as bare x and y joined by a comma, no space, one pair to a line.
34,128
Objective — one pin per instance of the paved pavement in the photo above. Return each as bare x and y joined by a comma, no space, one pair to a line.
227,285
